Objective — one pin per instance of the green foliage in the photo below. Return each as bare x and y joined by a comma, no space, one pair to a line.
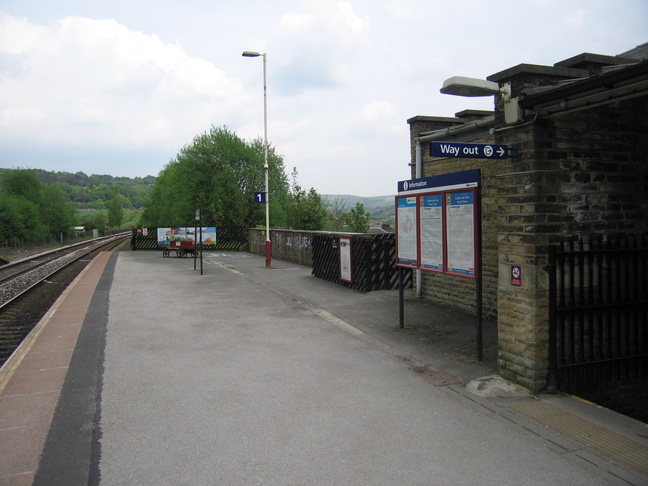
115,210
336,215
93,219
358,219
94,191
305,210
31,210
56,213
218,173
19,219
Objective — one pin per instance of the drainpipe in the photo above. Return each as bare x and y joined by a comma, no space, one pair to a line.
419,174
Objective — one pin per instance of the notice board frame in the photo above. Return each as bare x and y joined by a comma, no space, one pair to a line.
448,186
450,199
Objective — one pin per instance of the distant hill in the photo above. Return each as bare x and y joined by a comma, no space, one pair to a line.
95,191
381,208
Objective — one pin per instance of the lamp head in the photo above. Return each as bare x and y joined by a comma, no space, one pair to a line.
251,54
462,86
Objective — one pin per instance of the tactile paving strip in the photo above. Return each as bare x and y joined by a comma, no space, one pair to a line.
616,446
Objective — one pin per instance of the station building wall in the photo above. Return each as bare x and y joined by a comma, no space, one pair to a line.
581,173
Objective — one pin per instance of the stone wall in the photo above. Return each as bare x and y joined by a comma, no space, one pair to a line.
451,289
579,174
288,245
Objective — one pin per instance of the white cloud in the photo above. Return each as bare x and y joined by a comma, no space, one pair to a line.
317,45
327,19
399,9
378,112
122,95
95,81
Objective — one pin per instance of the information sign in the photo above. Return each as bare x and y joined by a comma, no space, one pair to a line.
260,197
436,223
406,231
431,224
460,238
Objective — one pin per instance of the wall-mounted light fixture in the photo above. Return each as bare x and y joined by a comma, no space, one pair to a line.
463,86
472,87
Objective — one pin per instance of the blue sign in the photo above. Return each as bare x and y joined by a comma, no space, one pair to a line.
260,197
469,150
443,182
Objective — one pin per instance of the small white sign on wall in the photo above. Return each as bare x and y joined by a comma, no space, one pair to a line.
346,273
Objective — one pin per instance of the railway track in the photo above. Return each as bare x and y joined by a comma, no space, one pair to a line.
29,287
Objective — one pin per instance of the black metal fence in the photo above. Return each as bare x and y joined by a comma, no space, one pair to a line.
598,325
227,239
373,261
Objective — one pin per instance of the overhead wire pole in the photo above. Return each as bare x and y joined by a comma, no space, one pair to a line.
268,244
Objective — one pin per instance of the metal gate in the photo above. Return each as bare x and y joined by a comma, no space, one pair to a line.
598,316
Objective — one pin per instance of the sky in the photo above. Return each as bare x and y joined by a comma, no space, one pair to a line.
118,87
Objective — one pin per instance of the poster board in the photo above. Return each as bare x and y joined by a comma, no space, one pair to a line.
406,233
431,229
460,233
346,270
437,223
187,233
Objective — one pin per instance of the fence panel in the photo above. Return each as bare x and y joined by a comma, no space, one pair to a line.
373,262
227,239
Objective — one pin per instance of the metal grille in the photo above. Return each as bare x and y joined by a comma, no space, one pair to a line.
598,313
373,261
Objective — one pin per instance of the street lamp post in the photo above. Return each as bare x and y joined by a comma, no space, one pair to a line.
268,245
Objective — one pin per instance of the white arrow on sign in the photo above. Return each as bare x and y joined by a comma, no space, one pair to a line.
501,151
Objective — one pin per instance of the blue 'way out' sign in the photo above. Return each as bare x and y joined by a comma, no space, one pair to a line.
469,150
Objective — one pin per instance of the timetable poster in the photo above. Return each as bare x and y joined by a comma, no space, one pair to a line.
460,217
406,231
431,224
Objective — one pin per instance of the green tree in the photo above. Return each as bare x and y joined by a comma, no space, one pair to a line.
358,219
218,173
22,183
31,210
305,210
337,215
56,213
115,210
20,219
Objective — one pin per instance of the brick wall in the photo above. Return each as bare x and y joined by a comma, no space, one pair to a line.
582,173
449,289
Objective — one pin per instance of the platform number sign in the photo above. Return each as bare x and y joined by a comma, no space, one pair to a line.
260,197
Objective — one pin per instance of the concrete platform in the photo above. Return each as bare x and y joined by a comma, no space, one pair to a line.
248,375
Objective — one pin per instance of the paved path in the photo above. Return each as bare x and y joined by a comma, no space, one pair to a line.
249,376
